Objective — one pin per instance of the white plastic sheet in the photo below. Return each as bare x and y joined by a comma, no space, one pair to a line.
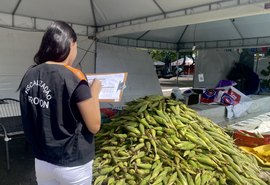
258,124
17,49
141,80
214,65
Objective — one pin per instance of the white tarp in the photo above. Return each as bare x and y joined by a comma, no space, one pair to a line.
141,80
17,49
212,66
150,24
258,124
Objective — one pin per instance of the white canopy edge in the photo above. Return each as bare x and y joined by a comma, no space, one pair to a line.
226,9
121,41
233,43
221,10
38,24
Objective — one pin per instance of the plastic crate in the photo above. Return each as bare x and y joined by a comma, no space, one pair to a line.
241,139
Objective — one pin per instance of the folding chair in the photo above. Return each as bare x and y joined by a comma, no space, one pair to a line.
10,122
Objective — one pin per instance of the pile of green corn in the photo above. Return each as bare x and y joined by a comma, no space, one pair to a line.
158,140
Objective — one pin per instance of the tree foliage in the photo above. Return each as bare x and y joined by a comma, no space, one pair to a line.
164,56
168,56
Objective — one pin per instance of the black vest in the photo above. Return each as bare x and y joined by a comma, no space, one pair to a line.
58,135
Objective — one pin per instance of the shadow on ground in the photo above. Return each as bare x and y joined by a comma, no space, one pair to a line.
173,82
21,163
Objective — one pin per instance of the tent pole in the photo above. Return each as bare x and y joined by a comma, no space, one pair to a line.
177,57
95,59
14,11
95,38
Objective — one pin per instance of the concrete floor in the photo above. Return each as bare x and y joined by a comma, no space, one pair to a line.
183,83
21,164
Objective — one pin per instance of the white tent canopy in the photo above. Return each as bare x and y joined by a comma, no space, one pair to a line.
160,24
188,62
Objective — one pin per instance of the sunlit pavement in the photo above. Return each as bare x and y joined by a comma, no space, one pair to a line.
183,83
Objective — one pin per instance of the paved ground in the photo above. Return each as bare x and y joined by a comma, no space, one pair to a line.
21,163
182,83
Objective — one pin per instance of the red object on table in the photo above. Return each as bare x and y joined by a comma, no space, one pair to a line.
241,139
109,112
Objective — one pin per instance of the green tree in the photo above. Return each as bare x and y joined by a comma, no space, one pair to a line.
169,56
164,56
266,73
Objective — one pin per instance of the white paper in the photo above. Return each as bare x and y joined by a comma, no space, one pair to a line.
111,85
201,77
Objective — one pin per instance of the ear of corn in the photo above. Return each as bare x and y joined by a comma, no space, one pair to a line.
158,140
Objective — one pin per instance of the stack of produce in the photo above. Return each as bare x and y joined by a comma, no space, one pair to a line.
158,140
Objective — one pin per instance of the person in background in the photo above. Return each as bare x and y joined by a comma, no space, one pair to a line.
247,80
60,111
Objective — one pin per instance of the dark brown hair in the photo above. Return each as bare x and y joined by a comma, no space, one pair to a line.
55,44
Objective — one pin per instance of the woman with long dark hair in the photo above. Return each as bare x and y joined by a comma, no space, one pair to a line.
60,112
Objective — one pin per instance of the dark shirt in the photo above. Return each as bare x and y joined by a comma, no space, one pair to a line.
51,119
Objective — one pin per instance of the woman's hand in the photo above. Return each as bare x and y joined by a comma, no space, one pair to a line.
90,109
95,88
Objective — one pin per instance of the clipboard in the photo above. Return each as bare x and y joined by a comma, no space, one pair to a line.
113,85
